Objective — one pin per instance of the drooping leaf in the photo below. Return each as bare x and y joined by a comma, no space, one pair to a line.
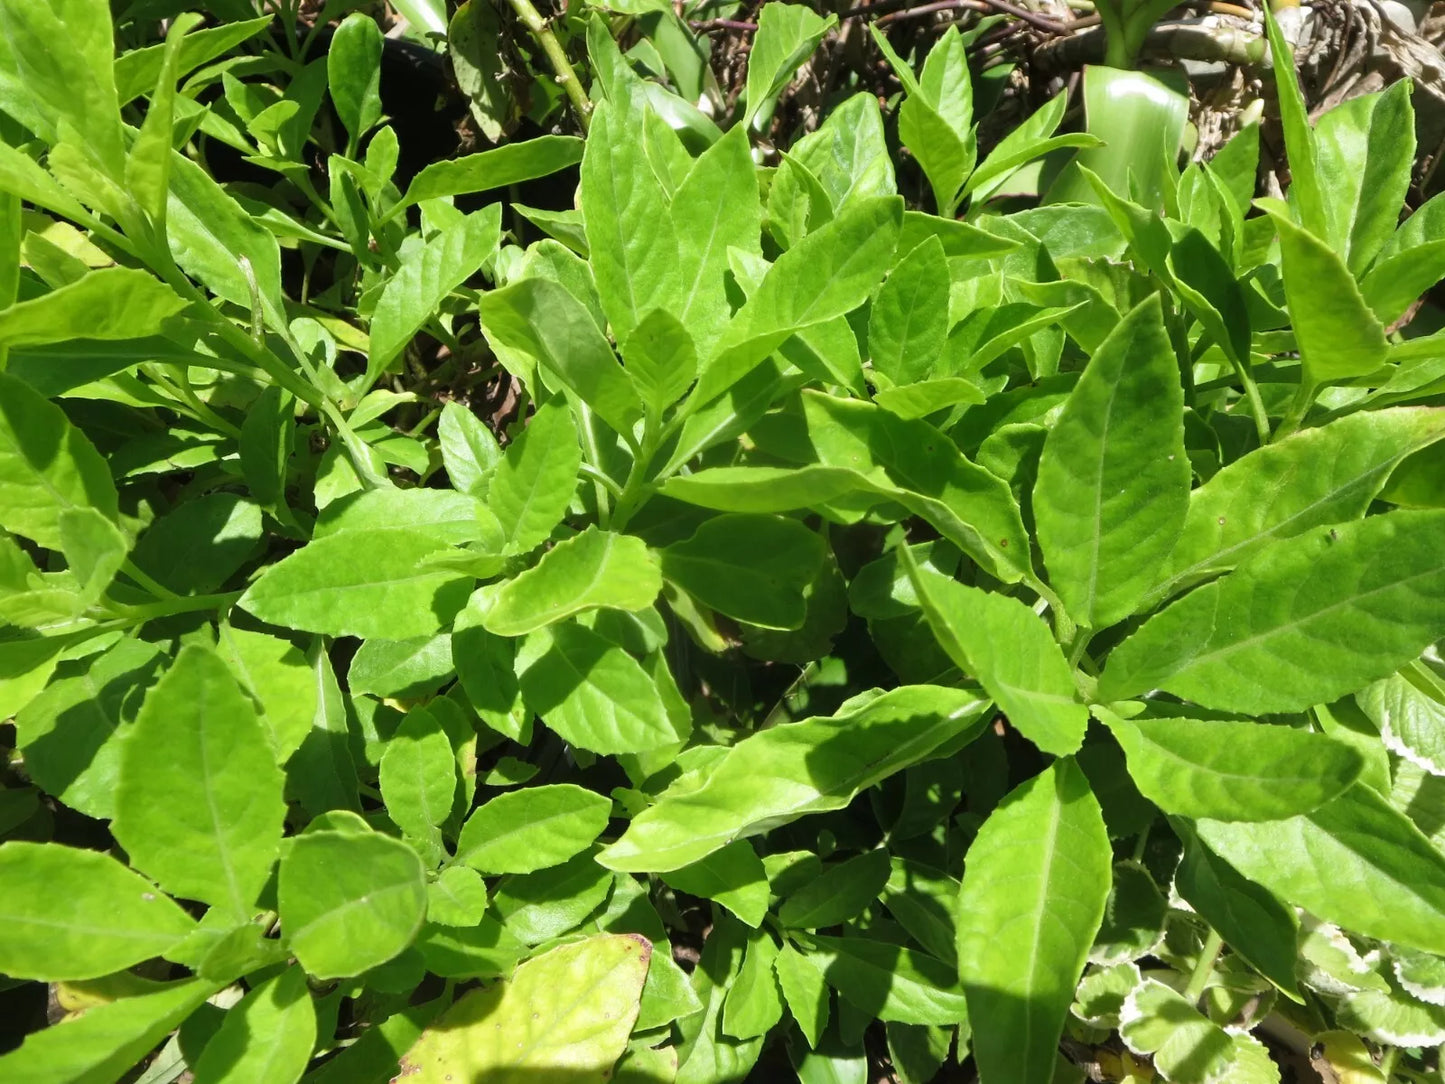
1034,887
1234,770
754,568
1113,484
1312,621
107,304
755,1000
733,876
269,1035
777,775
521,1028
1009,650
531,829
805,991
77,914
198,805
349,901
1355,861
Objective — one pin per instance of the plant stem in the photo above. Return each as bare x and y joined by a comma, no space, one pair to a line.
169,607
1204,969
1299,406
1388,1059
557,57
146,583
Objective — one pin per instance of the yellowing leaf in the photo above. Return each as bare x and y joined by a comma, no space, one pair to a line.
566,1012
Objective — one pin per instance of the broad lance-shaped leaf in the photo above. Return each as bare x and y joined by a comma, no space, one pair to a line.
630,233
199,803
785,772
269,1035
497,168
916,465
542,318
418,777
752,568
762,489
1301,624
107,1041
908,322
564,1013
76,914
349,900
1306,193
1233,771
827,274
1338,336
353,75
734,876
787,35
1009,649
1355,861
592,693
1317,476
1251,919
890,982
47,466
661,360
1113,483
531,829
533,484
424,280
1035,882
367,583
111,303
592,570
716,208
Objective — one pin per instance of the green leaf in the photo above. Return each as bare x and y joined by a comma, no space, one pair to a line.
786,36
1113,484
839,893
148,167
485,668
1306,186
592,570
544,905
106,1041
661,360
353,73
754,1000
67,733
1409,709
469,449
268,1036
927,397
1158,1022
198,545
418,778
715,209
426,276
919,467
1311,478
1363,148
1034,887
458,897
401,668
827,274
1311,621
94,547
543,318
80,914
520,1029
1231,770
531,829
630,234
276,674
593,693
753,568
367,583
805,991
733,876
198,805
777,775
138,70
1009,649
1338,336
349,901
1032,139
501,167
762,489
1355,861
533,485
1250,919
888,981
908,321
46,466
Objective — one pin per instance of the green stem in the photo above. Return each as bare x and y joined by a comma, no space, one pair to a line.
145,582
1299,406
1388,1058
634,492
557,58
1204,969
169,607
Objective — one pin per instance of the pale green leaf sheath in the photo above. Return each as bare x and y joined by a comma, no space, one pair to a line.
1113,484
1034,886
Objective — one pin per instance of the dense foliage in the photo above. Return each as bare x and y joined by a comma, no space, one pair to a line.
740,616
